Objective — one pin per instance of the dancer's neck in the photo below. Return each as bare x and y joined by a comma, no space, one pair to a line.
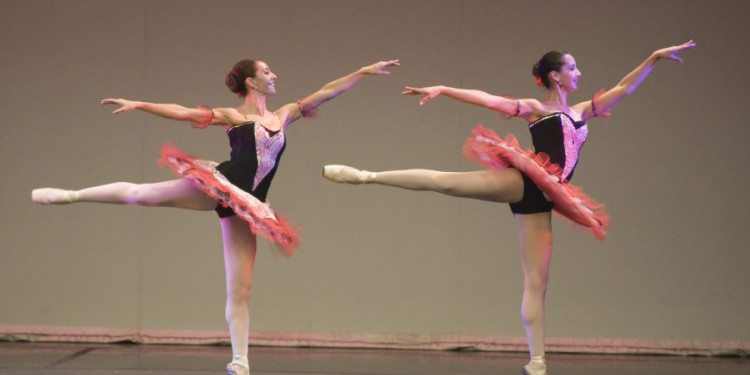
255,104
557,99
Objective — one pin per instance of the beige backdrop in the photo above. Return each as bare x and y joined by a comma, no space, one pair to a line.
669,165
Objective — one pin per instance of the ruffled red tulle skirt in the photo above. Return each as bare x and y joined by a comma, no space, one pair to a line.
262,219
488,149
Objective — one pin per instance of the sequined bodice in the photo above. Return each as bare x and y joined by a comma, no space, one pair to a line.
560,137
267,148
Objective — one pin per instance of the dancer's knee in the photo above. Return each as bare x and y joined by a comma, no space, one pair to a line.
445,184
535,283
151,195
143,195
238,295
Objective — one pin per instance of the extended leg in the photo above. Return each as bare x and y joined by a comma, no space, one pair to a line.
503,185
239,259
180,193
535,238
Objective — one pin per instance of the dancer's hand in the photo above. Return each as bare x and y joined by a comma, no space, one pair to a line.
125,105
379,67
670,53
428,92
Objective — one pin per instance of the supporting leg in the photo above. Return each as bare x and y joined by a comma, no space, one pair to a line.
239,259
535,239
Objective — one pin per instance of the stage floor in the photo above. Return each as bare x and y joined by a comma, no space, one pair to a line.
21,358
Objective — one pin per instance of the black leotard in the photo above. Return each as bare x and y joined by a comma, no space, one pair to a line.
254,158
560,137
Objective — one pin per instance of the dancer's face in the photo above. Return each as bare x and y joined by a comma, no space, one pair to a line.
265,80
569,74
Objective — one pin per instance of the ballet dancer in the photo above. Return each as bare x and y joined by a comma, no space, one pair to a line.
535,183
235,189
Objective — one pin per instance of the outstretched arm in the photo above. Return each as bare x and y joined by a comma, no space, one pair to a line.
310,103
200,117
604,102
503,104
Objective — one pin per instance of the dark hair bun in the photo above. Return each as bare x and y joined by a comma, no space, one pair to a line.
535,70
232,81
235,80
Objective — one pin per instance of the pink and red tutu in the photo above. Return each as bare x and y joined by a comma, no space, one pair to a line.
261,218
488,149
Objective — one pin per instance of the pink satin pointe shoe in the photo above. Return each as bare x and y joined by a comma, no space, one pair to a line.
347,175
53,196
534,369
237,369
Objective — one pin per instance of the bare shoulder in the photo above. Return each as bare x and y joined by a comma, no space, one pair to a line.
534,105
286,109
230,116
582,106
533,109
